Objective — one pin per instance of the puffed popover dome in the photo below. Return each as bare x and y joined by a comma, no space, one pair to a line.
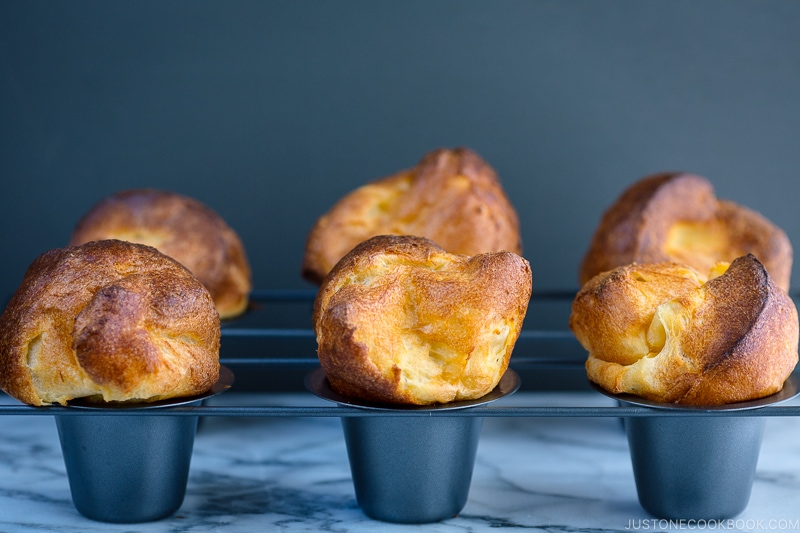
662,332
676,217
182,228
108,321
452,196
399,320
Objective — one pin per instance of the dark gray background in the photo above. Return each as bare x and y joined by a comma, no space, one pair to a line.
269,111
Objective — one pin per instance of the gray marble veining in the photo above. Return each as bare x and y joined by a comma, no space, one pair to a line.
292,474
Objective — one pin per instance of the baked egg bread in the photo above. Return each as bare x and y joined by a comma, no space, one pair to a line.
677,217
664,332
399,320
452,196
108,321
182,228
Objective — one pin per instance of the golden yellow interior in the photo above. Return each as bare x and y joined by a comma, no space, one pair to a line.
699,244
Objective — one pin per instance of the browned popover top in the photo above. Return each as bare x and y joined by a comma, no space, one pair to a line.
677,217
452,197
400,320
182,228
660,331
108,319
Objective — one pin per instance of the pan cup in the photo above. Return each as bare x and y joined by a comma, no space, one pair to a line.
411,469
701,466
126,465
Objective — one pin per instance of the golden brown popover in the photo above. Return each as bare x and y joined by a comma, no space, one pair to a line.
399,320
452,197
108,321
661,332
182,228
677,217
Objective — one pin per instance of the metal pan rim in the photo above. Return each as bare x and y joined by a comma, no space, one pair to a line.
224,383
317,383
790,390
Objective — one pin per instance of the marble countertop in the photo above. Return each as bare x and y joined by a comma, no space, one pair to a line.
292,474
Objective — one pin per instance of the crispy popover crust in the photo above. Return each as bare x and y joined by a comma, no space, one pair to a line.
452,197
660,332
182,228
108,319
399,320
676,217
